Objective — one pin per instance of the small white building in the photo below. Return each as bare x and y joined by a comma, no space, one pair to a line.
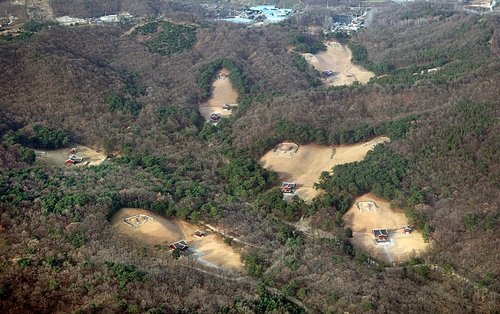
67,20
109,18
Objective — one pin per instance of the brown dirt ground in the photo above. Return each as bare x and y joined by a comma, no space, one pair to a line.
217,252
158,231
57,157
317,159
401,248
222,92
166,231
338,59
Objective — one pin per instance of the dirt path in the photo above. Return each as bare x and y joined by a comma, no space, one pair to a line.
338,59
222,92
401,246
133,28
389,255
250,280
147,22
221,232
310,160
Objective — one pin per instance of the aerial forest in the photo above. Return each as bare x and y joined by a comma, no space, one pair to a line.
133,93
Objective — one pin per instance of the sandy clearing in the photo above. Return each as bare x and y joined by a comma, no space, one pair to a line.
57,157
217,252
222,92
162,230
310,160
401,247
338,59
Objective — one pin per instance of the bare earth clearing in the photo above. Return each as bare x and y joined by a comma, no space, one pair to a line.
401,246
57,157
222,92
338,59
310,160
210,250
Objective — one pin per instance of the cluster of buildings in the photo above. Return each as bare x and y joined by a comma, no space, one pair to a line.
182,245
11,19
480,6
261,13
351,24
113,18
72,158
382,235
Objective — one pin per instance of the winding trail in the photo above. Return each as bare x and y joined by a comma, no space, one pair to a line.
389,256
249,280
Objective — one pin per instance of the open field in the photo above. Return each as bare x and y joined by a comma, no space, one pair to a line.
401,246
306,165
338,59
156,231
222,92
210,250
215,251
57,157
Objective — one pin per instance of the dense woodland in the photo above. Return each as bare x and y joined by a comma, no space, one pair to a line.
135,96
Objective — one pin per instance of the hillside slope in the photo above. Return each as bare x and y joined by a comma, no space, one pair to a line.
114,93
